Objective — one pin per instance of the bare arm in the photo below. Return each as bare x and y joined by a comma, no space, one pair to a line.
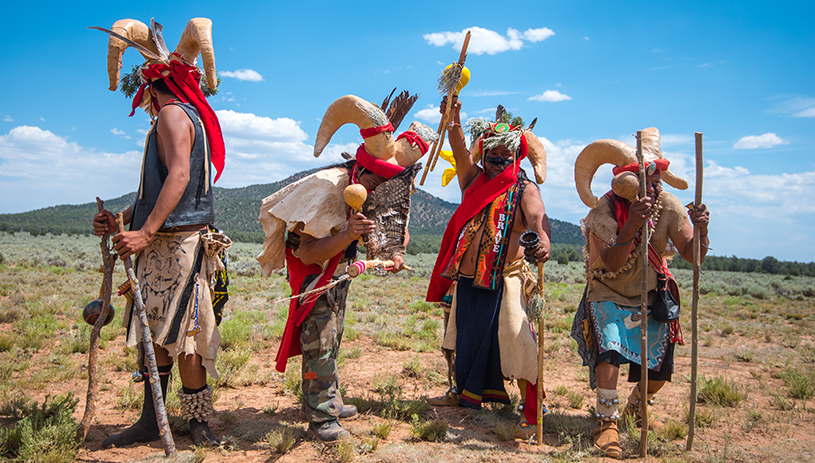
614,257
316,250
537,221
466,169
684,239
175,138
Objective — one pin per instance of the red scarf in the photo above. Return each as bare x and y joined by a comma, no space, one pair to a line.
183,81
480,194
298,272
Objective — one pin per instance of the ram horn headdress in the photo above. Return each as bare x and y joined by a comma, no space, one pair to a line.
621,155
376,129
177,68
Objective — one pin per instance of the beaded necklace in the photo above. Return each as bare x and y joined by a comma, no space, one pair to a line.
656,211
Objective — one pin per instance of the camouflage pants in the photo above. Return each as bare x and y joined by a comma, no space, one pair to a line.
320,337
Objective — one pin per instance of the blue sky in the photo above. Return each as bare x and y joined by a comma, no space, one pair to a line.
739,72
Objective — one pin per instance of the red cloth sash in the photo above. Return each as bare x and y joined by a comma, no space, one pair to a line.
368,133
415,139
183,81
376,165
662,164
298,272
483,191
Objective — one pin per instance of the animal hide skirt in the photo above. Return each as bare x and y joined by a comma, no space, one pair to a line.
174,278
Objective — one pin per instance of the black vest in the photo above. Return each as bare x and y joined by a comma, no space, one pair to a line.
196,204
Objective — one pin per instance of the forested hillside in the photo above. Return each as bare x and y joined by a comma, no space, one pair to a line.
237,211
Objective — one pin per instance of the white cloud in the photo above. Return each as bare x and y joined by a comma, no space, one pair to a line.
430,114
538,35
492,93
116,131
249,75
8,118
751,142
260,149
39,168
550,96
488,41
809,112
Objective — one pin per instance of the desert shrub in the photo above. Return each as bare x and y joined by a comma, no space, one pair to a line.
42,433
383,429
283,438
800,385
720,392
433,430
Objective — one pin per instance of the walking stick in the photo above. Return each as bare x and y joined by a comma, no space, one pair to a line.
435,149
643,309
150,355
530,240
694,310
540,358
108,261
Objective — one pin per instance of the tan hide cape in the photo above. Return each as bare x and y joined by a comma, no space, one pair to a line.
517,344
315,201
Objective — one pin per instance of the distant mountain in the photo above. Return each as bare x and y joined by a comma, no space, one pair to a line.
237,211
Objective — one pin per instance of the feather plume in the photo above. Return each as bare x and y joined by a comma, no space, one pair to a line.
144,51
532,124
449,78
155,30
499,113
400,106
387,101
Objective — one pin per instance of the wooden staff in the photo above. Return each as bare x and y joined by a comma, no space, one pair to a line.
149,354
108,261
540,358
643,309
435,149
694,310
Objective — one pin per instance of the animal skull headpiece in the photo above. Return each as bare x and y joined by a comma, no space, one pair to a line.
178,69
380,153
487,135
625,158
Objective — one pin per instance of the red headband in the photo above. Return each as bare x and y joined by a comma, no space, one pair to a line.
368,133
415,139
661,164
375,165
183,80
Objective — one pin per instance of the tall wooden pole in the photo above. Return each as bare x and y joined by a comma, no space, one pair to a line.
694,311
643,309
435,149
541,327
108,261
149,356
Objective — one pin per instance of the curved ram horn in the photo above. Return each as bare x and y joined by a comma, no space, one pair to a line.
365,115
592,157
197,39
537,156
127,33
651,151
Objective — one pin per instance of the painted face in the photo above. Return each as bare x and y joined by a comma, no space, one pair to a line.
496,160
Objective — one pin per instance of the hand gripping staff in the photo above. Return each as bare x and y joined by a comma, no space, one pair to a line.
149,354
530,239
108,261
694,310
643,306
454,78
